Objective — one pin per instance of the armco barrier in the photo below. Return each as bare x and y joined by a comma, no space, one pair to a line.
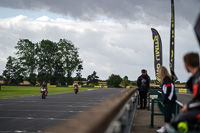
111,86
88,86
114,115
182,91
99,86
51,85
71,86
61,85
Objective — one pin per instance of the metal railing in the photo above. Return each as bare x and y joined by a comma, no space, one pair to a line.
158,100
176,109
114,115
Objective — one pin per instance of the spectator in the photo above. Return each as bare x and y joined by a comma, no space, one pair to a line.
148,79
148,88
169,95
190,112
143,84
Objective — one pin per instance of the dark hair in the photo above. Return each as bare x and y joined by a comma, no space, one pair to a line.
143,71
192,59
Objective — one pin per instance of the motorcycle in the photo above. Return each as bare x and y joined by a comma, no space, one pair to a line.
43,93
75,91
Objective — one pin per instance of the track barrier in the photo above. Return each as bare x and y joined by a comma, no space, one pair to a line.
114,115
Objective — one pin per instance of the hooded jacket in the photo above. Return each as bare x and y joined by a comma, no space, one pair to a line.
143,83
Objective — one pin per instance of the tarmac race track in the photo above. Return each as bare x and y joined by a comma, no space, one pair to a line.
184,98
33,114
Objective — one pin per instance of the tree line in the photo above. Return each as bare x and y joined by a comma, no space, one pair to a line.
46,60
52,62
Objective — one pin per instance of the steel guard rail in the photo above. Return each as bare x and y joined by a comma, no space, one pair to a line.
100,117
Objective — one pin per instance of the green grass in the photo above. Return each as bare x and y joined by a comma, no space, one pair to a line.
20,91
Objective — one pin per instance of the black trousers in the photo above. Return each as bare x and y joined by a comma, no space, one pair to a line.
168,111
143,99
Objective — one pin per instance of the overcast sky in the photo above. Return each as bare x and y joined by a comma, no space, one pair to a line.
113,36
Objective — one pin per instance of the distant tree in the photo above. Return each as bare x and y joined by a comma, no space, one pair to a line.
69,58
84,79
78,72
69,80
27,56
177,82
134,83
58,74
1,77
13,73
45,61
183,82
93,78
57,61
125,82
152,81
114,80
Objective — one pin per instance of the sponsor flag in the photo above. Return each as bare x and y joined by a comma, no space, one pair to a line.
197,29
157,53
172,35
172,43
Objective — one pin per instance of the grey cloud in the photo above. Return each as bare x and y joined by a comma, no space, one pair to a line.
105,46
151,12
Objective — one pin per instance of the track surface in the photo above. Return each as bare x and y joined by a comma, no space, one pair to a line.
33,114
184,98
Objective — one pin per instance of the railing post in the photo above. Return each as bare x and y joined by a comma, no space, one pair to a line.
149,101
177,108
152,112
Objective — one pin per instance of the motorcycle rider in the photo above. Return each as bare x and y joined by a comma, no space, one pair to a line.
75,88
44,86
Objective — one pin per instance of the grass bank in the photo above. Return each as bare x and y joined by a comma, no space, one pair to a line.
20,91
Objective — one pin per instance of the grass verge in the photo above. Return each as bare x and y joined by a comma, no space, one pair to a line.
20,91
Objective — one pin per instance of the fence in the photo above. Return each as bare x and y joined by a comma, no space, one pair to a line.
176,109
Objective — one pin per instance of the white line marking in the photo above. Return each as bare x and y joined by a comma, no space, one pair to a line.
56,111
90,89
31,118
18,131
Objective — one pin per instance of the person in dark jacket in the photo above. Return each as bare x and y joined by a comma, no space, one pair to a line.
143,84
190,112
148,79
169,95
148,90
